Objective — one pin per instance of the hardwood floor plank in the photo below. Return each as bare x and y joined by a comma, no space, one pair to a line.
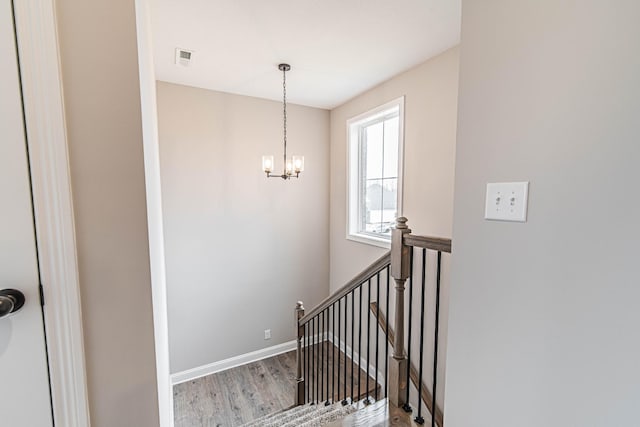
264,386
239,395
236,396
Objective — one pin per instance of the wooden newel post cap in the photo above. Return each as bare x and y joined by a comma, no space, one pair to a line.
400,254
299,305
401,223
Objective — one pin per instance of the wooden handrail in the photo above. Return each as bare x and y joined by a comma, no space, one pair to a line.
365,275
434,243
413,372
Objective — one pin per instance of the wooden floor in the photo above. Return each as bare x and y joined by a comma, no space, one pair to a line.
236,396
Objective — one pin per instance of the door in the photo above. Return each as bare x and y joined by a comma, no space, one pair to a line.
24,382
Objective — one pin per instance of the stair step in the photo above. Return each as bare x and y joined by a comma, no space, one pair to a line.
379,414
305,416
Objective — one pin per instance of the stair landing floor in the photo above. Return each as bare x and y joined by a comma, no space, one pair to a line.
239,395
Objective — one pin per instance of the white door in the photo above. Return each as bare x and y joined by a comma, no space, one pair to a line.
24,381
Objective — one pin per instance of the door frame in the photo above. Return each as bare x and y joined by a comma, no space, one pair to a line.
53,207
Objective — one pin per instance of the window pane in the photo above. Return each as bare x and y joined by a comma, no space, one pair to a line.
374,141
391,148
380,205
373,151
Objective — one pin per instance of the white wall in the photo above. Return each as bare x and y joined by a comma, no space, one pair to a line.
431,91
241,249
544,315
99,61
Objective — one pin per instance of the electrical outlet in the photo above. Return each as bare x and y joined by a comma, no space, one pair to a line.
267,334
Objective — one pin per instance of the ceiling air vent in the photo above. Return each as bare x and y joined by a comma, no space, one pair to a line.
183,57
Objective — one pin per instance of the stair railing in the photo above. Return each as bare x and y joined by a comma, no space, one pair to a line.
405,248
328,368
328,335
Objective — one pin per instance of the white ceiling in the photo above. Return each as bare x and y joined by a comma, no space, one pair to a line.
337,48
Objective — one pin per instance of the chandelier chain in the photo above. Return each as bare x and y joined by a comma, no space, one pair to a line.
284,111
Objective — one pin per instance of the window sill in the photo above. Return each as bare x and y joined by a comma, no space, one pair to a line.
370,240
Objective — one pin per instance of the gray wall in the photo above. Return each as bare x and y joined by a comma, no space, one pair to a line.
241,249
544,315
431,91
99,61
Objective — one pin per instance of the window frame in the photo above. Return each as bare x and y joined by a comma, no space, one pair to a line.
354,167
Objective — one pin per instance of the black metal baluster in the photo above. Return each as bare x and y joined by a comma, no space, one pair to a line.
435,344
353,330
386,342
326,371
310,346
310,367
368,333
407,405
310,343
360,342
333,352
308,350
346,319
315,359
321,356
306,365
419,419
339,345
377,328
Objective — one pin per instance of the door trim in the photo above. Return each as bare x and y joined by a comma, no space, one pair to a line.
53,206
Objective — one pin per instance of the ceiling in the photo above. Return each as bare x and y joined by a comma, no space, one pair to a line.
337,48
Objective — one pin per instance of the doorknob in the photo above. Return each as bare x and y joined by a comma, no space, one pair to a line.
11,301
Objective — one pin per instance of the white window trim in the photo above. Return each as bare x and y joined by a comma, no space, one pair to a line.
352,178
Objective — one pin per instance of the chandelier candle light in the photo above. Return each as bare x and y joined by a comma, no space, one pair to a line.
294,164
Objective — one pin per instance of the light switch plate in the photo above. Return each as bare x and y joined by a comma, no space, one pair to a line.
507,201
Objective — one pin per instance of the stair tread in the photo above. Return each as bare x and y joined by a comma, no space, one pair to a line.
378,414
304,416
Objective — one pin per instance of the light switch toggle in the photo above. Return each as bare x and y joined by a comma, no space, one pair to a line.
507,201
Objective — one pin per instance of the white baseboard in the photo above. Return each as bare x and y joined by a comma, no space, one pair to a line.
232,362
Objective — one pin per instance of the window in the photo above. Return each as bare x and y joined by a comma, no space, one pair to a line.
375,141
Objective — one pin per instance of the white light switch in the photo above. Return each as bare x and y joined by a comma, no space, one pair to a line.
507,201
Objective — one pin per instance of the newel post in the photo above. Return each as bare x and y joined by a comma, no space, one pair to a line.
400,270
298,314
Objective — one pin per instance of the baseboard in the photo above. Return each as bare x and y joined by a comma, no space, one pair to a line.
232,362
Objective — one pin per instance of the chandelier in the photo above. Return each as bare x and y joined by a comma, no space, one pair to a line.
292,165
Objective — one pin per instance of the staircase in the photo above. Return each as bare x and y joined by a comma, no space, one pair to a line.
349,352
365,354
376,414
